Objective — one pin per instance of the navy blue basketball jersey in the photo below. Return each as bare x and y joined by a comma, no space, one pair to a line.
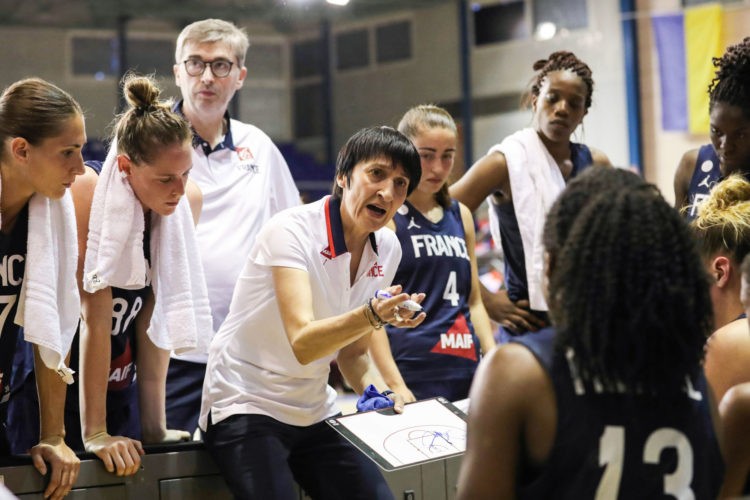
121,391
122,401
435,261
705,176
510,235
615,446
12,268
126,304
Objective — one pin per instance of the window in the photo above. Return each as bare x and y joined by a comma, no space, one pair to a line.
563,14
264,61
500,23
268,108
98,56
308,103
151,56
307,59
352,50
93,56
393,42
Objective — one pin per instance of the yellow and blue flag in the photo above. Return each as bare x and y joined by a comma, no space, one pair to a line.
686,43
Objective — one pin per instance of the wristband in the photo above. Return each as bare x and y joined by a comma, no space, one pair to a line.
376,321
369,317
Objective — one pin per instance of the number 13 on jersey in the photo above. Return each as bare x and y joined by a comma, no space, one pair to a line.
612,457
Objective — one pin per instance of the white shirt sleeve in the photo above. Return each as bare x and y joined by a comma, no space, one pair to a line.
280,243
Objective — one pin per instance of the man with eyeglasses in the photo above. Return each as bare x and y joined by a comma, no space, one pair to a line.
244,180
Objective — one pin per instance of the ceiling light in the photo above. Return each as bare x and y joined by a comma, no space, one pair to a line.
338,2
545,31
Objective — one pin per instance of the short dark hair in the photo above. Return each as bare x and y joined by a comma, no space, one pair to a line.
378,142
629,295
579,192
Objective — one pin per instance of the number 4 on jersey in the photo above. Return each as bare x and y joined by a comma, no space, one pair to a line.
451,290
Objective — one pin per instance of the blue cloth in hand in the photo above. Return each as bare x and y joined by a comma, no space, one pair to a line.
371,399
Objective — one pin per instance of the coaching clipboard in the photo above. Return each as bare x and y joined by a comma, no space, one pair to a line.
428,430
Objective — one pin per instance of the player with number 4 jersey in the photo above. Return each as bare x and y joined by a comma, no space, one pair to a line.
440,356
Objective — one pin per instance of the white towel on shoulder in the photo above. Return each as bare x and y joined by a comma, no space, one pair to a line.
114,257
182,308
114,251
49,306
535,181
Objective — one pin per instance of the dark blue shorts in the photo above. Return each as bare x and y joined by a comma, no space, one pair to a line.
184,391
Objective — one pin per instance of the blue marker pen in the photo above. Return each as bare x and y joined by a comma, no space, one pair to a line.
407,304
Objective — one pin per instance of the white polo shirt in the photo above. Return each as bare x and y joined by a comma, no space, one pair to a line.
244,181
251,366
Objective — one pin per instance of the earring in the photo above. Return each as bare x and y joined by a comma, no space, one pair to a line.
123,174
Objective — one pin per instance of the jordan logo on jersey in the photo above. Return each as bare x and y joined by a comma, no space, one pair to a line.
413,224
457,341
706,183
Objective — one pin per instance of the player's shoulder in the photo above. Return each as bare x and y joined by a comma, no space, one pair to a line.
688,161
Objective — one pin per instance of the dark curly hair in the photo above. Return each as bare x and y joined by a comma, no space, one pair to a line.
559,61
628,293
731,82
579,191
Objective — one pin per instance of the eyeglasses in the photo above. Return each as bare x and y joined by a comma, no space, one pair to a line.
219,67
